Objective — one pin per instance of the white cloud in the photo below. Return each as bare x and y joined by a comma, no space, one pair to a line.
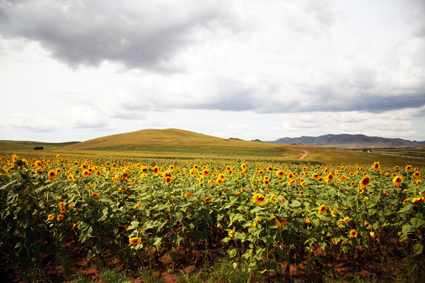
24,122
240,69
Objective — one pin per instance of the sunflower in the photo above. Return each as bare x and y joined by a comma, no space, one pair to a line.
365,182
62,207
168,180
219,182
396,168
60,217
329,178
51,174
361,190
266,182
230,233
322,209
188,194
315,176
376,165
50,217
134,241
207,199
280,173
416,199
167,174
86,173
255,221
244,167
272,198
95,195
259,199
155,170
347,219
409,167
38,164
398,180
290,175
353,233
138,204
406,200
416,175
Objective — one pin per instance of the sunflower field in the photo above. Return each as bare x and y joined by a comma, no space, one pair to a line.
267,217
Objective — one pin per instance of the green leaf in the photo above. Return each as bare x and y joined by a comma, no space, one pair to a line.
226,240
100,245
257,209
295,203
407,228
418,248
407,207
232,252
235,217
267,240
176,239
200,235
157,242
96,215
271,265
280,252
417,222
133,225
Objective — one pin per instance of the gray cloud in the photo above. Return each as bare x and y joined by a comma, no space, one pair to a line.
137,36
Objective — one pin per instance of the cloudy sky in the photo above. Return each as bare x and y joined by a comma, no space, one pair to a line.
252,69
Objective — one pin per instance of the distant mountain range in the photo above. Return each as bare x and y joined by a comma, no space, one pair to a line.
346,141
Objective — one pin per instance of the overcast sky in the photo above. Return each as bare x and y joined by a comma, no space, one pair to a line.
77,70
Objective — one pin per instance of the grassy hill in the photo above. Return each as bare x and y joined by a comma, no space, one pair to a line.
30,145
177,141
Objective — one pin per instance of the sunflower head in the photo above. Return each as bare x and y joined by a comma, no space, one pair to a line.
259,199
353,233
365,181
376,166
51,174
322,209
398,180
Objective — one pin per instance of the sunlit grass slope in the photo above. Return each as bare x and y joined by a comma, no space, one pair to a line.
181,142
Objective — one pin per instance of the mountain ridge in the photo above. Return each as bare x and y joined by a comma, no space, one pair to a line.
347,141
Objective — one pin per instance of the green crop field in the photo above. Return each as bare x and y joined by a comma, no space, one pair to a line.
209,219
